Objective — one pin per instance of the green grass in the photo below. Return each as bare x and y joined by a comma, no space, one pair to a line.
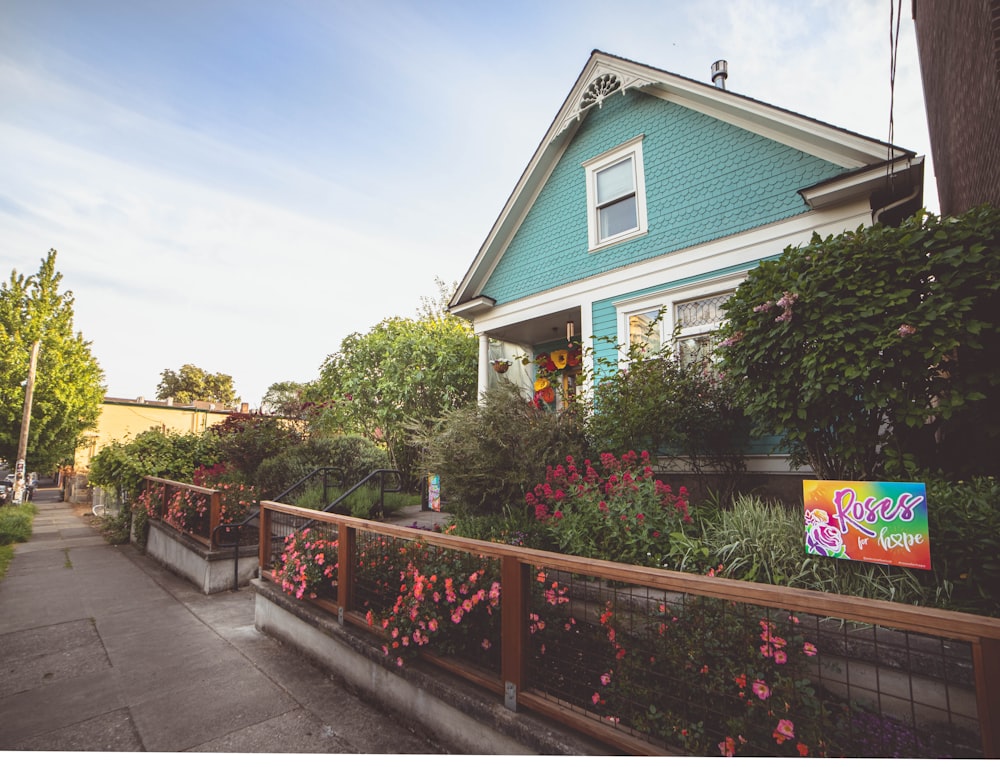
360,502
15,527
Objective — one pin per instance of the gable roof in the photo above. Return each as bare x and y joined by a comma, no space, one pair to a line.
606,76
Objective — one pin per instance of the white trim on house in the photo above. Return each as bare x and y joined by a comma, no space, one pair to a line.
688,264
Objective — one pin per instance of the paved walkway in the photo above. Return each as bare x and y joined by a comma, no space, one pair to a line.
103,650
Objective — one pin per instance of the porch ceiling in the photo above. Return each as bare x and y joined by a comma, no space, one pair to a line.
539,330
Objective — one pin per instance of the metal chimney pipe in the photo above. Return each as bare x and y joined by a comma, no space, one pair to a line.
720,71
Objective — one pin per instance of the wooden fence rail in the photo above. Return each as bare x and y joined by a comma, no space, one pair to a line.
201,529
888,627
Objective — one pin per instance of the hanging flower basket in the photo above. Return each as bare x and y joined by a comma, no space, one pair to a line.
501,366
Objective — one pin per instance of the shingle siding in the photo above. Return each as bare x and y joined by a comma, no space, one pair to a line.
705,179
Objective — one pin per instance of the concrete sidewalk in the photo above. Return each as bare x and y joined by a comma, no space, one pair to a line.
102,650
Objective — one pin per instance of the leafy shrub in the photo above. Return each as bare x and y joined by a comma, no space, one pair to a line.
661,404
964,525
353,457
120,466
245,440
16,523
490,454
514,526
910,382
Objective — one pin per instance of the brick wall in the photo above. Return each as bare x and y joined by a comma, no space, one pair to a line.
958,42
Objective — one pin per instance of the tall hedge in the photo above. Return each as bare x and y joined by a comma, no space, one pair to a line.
873,353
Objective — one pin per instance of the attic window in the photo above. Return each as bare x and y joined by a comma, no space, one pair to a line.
616,195
603,86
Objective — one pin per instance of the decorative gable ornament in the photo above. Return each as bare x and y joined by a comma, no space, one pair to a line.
605,82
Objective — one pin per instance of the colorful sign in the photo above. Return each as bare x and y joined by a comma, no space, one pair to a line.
434,492
880,522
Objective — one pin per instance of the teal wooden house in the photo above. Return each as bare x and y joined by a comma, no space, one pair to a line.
652,195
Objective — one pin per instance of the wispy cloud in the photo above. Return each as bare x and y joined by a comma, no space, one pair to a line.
240,186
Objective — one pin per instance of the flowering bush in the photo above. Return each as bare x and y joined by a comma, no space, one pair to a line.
309,565
713,678
447,599
189,511
238,499
618,511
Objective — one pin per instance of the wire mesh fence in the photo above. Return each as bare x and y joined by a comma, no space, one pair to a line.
655,661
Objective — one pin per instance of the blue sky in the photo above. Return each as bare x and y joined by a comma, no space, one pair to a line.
241,184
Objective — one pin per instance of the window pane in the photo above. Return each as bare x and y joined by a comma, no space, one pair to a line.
643,332
704,311
616,181
618,217
696,350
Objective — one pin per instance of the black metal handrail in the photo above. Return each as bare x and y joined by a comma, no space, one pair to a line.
326,471
381,474
230,535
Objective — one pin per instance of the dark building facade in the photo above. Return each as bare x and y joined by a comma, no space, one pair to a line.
958,43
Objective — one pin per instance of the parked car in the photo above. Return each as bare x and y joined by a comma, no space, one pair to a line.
6,489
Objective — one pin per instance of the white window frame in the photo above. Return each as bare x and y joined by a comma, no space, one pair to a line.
653,302
630,149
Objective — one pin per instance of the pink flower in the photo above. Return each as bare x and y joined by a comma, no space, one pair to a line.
809,648
606,678
761,690
784,731
727,747
906,330
780,658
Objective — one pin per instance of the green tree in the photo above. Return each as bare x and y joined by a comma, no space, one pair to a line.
245,440
873,353
192,383
285,398
402,370
69,384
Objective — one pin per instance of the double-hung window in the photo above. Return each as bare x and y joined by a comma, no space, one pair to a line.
616,195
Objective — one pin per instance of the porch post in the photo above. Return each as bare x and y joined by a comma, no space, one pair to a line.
484,364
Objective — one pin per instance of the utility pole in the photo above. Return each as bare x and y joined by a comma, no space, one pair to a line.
22,445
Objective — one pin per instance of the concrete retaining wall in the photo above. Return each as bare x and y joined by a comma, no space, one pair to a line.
210,571
457,714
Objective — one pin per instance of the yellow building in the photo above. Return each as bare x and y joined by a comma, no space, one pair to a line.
125,419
